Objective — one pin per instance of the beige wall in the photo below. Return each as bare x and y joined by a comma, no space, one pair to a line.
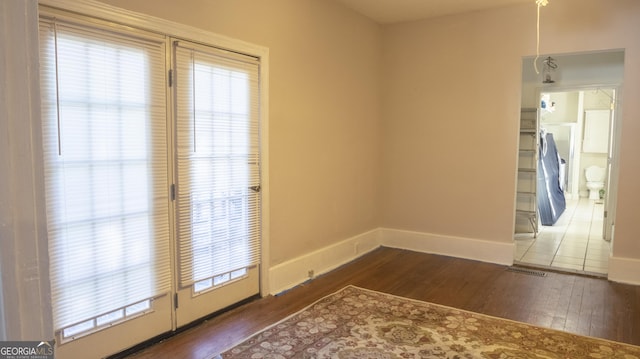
451,92
566,109
324,110
451,104
441,96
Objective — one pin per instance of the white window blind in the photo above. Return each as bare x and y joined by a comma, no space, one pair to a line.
104,129
218,162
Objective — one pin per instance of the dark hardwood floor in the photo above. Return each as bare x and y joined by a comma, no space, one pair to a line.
578,304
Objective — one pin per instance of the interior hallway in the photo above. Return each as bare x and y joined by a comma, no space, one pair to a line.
573,244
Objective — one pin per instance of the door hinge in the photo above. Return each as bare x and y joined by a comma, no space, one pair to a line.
175,300
605,214
173,192
170,77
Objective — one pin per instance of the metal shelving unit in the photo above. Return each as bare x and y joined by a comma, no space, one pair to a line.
526,197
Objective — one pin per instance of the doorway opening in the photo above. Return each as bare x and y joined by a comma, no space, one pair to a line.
576,125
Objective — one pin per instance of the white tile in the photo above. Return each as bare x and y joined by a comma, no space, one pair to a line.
598,213
522,247
567,266
520,252
597,224
596,263
547,248
597,256
575,240
523,239
571,252
551,235
579,230
537,258
567,260
598,251
574,246
598,243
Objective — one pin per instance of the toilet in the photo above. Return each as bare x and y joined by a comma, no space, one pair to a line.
595,181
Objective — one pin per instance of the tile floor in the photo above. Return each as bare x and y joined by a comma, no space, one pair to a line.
573,244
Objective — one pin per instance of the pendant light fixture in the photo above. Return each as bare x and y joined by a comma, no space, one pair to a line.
550,66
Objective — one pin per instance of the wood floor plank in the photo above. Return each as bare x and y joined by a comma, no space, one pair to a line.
569,302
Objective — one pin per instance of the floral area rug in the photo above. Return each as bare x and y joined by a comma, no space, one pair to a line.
356,323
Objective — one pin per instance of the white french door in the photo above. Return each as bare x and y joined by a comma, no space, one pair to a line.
152,186
217,178
105,142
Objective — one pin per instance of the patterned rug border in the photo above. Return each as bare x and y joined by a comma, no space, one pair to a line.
480,314
218,355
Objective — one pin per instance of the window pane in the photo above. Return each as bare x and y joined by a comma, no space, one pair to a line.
109,318
138,307
78,328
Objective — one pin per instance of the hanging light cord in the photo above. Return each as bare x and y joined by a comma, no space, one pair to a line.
540,3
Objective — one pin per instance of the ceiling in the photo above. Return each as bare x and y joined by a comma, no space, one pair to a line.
393,11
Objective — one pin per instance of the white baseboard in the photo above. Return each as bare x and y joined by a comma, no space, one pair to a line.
296,271
291,273
460,247
624,270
